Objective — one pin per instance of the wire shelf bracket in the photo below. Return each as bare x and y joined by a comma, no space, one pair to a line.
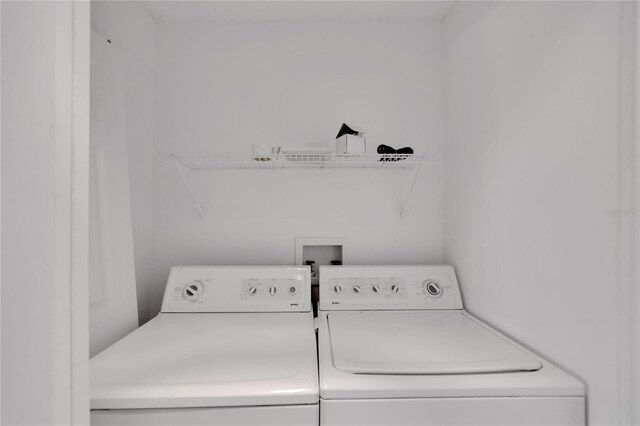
190,190
405,204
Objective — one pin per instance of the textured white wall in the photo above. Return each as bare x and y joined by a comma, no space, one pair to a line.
532,164
222,86
131,29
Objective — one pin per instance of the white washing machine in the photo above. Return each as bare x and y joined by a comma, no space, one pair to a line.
232,346
396,347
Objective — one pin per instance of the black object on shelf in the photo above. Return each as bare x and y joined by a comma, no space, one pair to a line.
345,129
386,149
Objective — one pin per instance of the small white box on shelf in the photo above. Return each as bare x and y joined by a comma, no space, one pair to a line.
351,144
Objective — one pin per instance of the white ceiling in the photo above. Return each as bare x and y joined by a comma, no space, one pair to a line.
239,10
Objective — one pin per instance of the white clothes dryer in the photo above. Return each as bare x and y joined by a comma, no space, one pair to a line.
232,346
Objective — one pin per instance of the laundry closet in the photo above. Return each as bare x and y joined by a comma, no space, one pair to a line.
214,141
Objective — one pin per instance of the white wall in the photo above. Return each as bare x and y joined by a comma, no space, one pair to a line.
27,211
44,241
532,164
222,86
132,31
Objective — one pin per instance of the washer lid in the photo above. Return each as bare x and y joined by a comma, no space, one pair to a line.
421,343
209,360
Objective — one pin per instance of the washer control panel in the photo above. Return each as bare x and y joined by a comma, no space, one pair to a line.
238,289
388,287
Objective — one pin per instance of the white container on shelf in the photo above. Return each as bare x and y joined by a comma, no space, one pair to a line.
351,144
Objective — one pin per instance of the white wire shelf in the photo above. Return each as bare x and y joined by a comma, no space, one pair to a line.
204,162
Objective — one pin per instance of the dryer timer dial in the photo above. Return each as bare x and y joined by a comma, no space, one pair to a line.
193,291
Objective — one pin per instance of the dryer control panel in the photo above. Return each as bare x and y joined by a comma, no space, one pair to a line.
388,287
238,289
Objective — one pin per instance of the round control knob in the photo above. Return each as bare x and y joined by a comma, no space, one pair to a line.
193,291
292,290
273,290
375,288
337,289
253,291
394,288
356,288
433,288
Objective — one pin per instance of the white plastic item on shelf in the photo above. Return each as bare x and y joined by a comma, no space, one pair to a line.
305,154
351,144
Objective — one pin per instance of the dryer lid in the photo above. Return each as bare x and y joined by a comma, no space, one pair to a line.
421,343
209,360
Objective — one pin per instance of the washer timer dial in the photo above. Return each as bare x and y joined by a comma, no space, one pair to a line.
432,287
